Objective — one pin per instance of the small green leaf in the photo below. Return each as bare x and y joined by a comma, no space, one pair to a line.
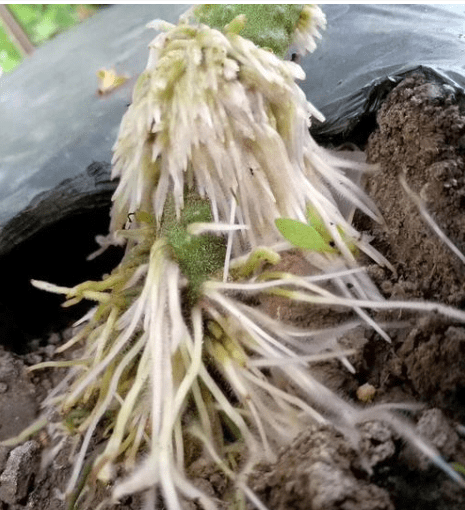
303,236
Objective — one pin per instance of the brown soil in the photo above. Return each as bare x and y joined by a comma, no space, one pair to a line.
421,135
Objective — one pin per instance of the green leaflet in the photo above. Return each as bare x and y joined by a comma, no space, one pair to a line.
313,236
303,236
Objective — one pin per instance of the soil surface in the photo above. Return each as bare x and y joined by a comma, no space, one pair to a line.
421,136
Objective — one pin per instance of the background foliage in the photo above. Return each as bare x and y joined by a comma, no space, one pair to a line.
40,22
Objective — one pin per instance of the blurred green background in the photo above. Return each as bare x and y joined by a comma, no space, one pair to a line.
25,26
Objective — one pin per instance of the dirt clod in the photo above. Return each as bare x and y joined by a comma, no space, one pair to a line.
18,406
435,428
317,472
21,466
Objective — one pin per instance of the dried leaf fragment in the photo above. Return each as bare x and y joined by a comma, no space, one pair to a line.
110,80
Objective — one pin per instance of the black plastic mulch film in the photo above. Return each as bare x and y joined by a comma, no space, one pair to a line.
367,50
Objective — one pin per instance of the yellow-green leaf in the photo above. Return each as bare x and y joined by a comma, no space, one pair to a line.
303,236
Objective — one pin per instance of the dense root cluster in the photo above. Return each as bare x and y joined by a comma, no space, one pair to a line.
174,349
215,112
